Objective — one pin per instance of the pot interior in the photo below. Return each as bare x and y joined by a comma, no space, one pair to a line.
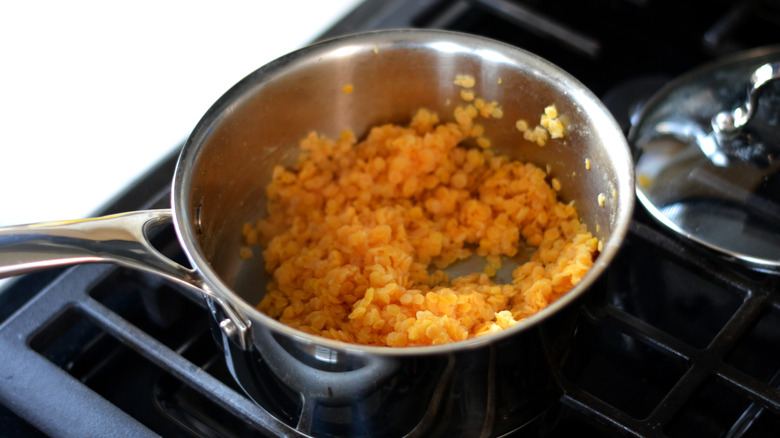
227,162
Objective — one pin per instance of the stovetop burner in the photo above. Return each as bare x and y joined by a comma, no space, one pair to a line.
683,342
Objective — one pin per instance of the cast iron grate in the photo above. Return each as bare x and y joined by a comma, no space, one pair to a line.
728,387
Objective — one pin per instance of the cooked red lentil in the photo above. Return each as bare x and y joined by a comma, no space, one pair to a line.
357,235
550,125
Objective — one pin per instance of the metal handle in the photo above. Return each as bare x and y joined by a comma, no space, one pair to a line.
121,239
731,122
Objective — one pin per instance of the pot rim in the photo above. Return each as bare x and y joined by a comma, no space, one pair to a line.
184,217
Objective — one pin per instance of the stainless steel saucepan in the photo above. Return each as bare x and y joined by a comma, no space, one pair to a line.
226,163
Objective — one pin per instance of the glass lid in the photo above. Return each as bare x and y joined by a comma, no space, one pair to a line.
707,151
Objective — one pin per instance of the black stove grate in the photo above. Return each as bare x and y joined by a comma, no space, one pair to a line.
683,343
711,370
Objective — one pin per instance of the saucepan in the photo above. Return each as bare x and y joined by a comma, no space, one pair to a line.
226,164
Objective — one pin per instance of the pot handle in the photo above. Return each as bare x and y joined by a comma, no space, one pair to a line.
121,239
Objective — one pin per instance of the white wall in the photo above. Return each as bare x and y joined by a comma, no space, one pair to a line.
93,93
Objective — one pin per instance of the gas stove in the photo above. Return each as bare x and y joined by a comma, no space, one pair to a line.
681,342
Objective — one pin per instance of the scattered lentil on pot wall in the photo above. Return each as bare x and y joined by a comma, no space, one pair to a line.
358,234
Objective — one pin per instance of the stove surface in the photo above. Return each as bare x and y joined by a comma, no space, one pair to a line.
682,342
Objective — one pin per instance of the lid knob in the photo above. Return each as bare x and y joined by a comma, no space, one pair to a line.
729,123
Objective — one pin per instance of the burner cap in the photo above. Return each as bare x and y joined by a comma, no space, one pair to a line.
707,150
